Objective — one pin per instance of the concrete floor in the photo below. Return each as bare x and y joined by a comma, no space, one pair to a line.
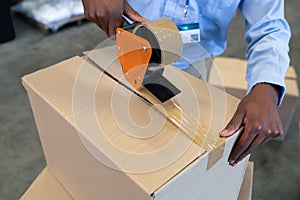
277,164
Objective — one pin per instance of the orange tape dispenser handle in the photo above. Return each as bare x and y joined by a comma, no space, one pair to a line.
134,54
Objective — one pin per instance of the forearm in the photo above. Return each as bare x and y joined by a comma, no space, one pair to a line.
267,34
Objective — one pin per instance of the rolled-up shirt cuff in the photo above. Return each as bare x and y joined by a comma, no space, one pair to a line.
274,79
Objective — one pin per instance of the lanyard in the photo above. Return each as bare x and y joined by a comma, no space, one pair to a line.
186,6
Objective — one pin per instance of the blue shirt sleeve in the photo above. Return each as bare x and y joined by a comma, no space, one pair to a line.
268,35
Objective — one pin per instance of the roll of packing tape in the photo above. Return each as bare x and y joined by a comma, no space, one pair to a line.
164,38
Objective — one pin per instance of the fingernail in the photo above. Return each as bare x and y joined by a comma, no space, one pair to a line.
231,162
225,133
222,132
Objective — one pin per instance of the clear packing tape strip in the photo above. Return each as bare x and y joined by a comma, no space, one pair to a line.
185,121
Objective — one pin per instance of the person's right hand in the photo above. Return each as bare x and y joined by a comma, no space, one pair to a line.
107,14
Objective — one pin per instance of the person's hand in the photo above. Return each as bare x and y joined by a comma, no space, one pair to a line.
107,14
258,113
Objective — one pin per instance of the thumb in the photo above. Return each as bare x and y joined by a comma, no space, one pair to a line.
233,125
132,14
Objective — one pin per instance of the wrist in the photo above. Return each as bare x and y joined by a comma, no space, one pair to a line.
268,90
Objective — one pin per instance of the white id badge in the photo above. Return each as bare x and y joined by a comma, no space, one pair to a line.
189,28
190,33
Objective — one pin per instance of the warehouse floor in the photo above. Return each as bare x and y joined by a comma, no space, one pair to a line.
277,164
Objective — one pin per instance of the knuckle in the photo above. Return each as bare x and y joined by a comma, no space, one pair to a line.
269,132
281,132
255,130
278,133
99,15
257,127
90,16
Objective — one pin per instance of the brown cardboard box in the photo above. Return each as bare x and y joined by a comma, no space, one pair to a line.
47,187
246,188
233,71
92,154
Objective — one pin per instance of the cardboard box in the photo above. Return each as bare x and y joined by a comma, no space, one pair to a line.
166,165
246,188
47,187
233,72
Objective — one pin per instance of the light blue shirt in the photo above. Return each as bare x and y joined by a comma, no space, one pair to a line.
266,32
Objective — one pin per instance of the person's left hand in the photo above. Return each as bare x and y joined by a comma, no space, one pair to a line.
258,113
